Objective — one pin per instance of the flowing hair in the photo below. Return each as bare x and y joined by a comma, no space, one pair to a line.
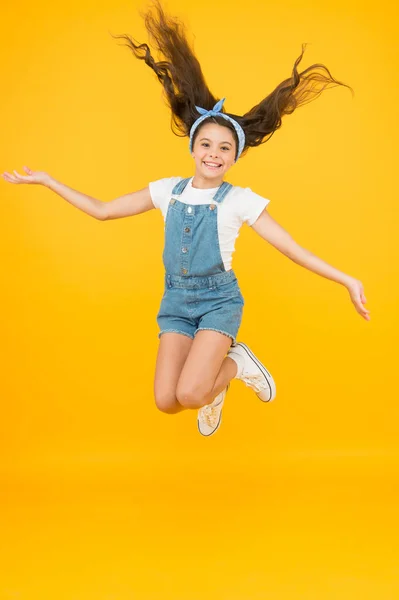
184,84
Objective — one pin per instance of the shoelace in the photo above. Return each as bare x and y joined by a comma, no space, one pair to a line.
256,382
209,415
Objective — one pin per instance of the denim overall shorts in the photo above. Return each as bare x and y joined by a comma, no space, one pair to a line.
199,293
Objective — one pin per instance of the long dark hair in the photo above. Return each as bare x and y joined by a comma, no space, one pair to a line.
184,84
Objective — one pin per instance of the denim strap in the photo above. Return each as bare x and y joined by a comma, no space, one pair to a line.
179,187
222,192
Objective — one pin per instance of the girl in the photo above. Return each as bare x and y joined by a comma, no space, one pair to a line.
201,309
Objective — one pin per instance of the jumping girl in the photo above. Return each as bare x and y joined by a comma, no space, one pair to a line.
201,309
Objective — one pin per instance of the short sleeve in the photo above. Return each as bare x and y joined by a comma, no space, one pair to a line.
161,191
252,206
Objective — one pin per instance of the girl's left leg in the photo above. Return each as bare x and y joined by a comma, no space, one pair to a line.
207,370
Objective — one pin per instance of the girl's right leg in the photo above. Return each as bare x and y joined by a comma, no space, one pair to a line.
172,354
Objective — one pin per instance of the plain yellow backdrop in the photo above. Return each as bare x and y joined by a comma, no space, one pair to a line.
104,497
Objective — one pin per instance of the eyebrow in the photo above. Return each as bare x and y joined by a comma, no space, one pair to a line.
211,140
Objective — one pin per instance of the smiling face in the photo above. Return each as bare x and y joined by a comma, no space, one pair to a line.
214,153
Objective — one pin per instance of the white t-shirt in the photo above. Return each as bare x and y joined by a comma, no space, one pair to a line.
240,205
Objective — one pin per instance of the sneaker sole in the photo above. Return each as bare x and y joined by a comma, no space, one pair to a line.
212,432
265,372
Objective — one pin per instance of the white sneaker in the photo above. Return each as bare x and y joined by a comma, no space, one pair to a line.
210,415
253,374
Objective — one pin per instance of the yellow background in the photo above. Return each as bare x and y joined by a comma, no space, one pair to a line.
105,498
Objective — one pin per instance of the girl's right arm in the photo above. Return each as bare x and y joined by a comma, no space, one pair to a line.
124,206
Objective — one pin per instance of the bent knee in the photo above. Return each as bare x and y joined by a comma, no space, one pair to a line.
167,403
190,398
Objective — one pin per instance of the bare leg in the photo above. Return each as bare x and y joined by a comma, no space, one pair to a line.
172,353
207,370
227,372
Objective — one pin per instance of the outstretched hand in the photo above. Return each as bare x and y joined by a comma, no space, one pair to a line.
356,292
38,177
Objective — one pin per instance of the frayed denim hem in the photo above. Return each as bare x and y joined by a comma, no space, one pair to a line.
217,331
175,331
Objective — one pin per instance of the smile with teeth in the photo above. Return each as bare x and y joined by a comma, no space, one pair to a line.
212,165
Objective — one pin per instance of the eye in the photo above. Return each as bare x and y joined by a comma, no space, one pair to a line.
204,144
225,148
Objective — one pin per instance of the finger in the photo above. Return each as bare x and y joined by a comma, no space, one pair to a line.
364,313
361,289
10,178
14,179
21,177
359,306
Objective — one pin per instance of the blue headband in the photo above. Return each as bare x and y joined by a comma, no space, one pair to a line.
216,112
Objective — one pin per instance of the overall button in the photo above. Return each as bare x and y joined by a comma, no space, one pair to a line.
189,210
184,250
187,230
172,201
184,271
212,207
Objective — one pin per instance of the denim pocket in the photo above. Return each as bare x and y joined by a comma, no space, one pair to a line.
229,290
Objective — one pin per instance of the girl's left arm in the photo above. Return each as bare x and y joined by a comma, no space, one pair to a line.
278,237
